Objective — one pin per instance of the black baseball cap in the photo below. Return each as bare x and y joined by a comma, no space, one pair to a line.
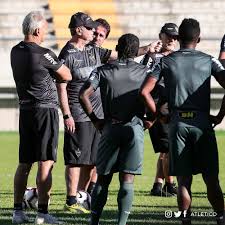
81,19
170,29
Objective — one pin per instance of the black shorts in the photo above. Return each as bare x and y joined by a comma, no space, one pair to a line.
159,136
39,129
80,148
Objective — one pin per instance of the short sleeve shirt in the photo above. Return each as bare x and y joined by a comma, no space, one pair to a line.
187,74
34,74
81,64
119,83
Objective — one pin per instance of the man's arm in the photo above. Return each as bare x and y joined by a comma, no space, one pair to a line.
86,91
220,77
219,117
64,104
145,90
151,48
63,73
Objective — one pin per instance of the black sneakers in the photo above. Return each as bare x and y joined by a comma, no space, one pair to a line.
168,190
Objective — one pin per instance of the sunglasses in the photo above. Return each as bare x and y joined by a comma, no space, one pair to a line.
88,28
175,37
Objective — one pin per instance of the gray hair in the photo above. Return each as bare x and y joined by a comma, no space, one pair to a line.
32,21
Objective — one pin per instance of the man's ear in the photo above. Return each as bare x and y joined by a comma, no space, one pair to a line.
159,36
36,31
79,30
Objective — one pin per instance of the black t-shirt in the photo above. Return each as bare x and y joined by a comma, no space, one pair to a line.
158,93
34,74
119,83
81,64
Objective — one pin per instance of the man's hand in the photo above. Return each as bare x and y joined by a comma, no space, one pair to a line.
99,124
69,125
155,47
148,124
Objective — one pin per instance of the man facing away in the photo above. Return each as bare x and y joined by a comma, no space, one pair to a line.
122,140
192,141
34,71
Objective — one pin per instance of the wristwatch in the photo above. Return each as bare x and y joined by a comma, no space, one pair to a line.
67,116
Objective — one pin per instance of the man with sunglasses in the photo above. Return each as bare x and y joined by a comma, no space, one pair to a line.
159,131
80,142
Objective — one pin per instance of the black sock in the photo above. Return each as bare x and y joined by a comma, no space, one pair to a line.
18,206
157,186
98,200
70,200
43,208
91,187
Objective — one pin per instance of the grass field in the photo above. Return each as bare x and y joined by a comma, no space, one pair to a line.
146,209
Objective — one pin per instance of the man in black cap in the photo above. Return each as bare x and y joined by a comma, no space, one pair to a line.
159,131
80,144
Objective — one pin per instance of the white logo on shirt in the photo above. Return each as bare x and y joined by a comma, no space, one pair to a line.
50,59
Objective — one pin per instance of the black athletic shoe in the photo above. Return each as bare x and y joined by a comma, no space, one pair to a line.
170,188
160,193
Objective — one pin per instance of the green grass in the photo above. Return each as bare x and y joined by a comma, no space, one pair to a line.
146,209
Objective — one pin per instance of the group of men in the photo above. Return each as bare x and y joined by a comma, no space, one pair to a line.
107,101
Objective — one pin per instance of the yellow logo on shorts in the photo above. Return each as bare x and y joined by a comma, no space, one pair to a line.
187,115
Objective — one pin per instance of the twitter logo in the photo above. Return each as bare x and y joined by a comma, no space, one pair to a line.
177,214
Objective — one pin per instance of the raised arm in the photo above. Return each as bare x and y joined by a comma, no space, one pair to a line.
151,48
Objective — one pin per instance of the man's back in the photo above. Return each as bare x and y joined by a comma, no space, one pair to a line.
119,85
187,75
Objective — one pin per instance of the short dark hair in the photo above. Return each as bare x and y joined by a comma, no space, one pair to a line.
128,46
105,24
189,31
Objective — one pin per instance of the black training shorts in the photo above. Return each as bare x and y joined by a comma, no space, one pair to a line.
38,128
80,148
159,136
